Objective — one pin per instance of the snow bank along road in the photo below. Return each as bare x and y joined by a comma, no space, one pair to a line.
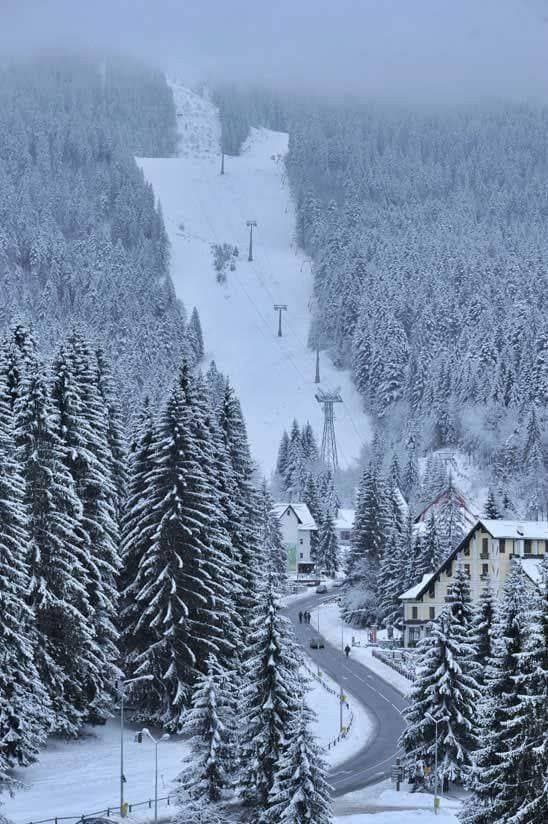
383,703
273,376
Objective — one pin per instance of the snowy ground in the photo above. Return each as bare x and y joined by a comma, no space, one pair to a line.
273,376
331,627
84,776
381,804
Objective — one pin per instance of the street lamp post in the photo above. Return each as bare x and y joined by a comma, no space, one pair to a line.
124,682
251,224
156,742
436,721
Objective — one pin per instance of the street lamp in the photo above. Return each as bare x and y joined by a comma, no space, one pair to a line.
436,721
156,742
124,682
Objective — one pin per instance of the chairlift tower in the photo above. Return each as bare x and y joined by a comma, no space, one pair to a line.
329,444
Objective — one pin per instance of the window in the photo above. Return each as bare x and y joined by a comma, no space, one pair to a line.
485,545
301,541
502,545
484,570
432,613
467,569
449,570
432,591
289,513
414,613
301,555
467,550
527,547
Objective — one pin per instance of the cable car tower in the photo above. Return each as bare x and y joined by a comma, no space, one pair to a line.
329,444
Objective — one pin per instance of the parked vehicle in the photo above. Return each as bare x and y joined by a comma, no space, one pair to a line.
322,589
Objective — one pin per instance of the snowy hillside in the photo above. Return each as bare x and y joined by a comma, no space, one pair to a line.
273,376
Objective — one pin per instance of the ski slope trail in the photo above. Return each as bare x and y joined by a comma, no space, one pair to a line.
273,376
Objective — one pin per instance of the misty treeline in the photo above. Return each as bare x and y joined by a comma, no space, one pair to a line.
80,237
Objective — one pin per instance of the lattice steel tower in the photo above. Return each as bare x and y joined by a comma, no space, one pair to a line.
329,444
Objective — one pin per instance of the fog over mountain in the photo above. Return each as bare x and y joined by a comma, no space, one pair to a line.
395,49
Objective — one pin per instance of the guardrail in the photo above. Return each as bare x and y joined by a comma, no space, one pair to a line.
106,812
346,729
399,662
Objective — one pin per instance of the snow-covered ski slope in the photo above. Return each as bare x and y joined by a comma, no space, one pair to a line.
273,376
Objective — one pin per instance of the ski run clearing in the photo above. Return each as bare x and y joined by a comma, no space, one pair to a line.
273,376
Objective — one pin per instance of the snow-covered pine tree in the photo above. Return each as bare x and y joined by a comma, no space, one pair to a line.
115,430
271,698
244,532
207,776
445,690
491,506
300,793
327,553
530,720
82,423
176,582
295,468
283,452
216,382
327,493
138,528
498,780
484,615
392,580
312,499
273,552
309,445
25,712
368,538
428,549
195,337
450,519
64,644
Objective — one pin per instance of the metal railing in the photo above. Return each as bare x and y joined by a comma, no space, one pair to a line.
107,812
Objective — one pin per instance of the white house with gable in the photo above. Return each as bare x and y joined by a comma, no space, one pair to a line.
297,525
485,555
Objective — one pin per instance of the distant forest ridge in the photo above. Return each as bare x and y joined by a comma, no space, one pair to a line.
81,240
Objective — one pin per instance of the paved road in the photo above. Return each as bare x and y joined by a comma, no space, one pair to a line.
383,703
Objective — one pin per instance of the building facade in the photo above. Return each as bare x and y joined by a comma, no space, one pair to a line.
297,526
485,554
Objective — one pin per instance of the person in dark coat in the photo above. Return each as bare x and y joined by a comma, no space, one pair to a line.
300,617
347,650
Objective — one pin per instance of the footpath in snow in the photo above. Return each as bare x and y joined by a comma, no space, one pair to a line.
273,376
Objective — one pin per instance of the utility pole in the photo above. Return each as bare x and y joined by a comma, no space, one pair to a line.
436,796
251,224
329,444
156,742
342,699
279,308
222,163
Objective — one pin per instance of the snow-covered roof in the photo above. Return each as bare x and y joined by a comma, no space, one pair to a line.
532,530
345,519
532,568
412,593
304,516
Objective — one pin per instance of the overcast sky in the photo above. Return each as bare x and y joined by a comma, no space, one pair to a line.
403,49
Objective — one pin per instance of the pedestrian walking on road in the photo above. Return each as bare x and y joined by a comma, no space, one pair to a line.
347,650
301,617
308,617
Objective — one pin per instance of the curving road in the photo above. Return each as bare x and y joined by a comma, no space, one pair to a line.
383,703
